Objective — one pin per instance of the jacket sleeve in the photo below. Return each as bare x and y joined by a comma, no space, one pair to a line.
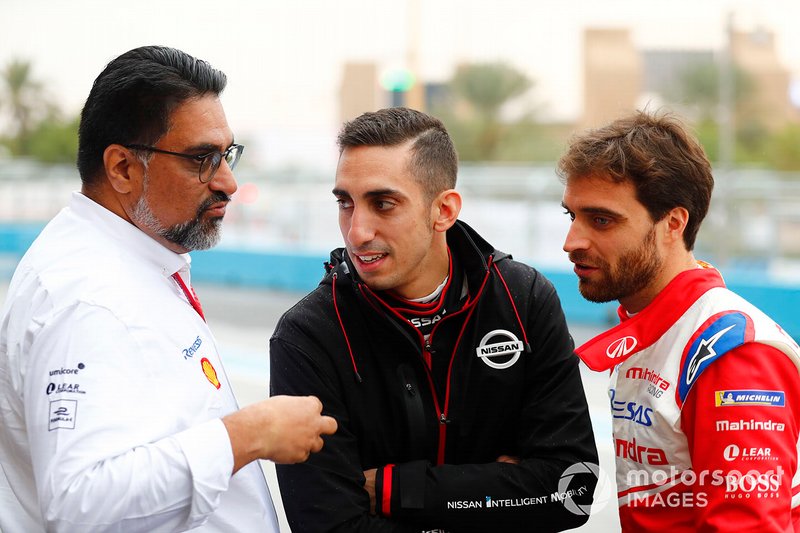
95,462
744,455
552,486
326,493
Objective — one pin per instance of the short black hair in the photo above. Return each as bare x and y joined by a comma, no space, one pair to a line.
434,161
132,100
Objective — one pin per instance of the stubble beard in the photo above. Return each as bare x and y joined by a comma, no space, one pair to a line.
635,270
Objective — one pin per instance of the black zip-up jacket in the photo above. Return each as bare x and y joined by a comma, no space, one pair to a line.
512,387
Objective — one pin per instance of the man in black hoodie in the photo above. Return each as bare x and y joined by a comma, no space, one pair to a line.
447,365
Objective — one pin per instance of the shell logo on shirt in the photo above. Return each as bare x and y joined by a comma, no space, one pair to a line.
210,372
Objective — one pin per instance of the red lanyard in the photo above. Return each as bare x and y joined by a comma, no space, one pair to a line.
190,295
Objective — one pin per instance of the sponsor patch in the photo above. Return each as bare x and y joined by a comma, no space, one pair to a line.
640,454
734,452
191,350
656,384
628,410
67,371
749,425
621,347
210,372
62,414
733,398
499,349
64,388
721,334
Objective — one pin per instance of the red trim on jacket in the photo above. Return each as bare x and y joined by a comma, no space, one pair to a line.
386,491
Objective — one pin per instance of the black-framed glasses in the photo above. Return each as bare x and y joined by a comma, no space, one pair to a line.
209,163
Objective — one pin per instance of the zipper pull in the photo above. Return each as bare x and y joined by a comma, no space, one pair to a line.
410,389
429,348
443,419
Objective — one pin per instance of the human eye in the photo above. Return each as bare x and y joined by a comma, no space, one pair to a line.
344,203
601,221
382,204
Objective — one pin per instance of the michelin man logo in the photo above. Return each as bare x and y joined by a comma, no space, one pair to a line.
499,349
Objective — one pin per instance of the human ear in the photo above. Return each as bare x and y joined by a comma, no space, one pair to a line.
120,165
446,208
676,220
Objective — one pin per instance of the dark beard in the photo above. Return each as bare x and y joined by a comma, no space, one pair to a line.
635,270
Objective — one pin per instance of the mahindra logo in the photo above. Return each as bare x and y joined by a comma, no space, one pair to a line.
621,347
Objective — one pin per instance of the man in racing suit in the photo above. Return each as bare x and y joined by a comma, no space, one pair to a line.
447,365
704,386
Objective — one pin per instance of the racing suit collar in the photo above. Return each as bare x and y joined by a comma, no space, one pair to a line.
641,330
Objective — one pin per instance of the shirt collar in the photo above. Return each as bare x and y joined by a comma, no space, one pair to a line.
136,241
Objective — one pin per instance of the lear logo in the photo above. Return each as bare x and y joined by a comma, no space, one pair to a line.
621,347
507,351
732,452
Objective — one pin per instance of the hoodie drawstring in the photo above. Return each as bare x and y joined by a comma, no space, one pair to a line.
344,331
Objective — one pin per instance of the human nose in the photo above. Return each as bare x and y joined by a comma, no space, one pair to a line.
361,229
575,239
223,179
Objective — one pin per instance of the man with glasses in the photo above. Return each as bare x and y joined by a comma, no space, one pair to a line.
115,410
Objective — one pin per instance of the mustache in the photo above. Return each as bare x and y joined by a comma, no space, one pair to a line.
578,256
215,198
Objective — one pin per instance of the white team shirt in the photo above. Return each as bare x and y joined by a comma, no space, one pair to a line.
112,390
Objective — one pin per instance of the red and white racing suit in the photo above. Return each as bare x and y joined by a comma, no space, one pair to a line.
705,399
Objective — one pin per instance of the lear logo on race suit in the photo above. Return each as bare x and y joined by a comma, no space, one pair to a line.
499,349
721,334
733,452
749,425
732,398
635,412
621,347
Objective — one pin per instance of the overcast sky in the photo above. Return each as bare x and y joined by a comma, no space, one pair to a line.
284,59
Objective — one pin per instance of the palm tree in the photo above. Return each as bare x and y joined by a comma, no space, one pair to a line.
22,96
486,88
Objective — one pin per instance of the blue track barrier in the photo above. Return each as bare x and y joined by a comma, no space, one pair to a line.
302,271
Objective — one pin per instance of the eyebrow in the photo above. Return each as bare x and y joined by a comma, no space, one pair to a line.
370,194
596,211
205,148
